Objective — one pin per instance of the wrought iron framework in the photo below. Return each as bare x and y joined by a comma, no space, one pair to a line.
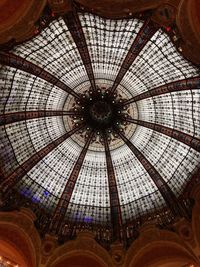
163,187
146,32
116,217
17,62
28,115
8,183
96,60
73,23
64,200
181,85
180,136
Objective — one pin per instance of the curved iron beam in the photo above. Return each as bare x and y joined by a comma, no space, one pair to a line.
148,29
9,181
178,135
116,214
177,208
74,25
28,115
17,62
181,85
64,200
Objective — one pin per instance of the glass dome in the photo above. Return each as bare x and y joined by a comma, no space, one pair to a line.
100,119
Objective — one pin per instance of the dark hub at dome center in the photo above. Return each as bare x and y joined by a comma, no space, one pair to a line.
101,112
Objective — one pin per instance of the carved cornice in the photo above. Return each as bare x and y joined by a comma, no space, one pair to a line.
154,245
84,245
19,24
188,22
179,18
18,229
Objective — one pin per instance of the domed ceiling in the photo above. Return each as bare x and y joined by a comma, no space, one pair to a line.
100,119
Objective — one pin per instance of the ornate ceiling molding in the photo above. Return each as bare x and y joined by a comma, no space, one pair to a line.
168,12
179,18
18,19
188,22
17,229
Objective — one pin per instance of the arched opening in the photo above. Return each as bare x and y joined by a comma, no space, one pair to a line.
163,254
9,253
84,251
79,261
16,246
188,22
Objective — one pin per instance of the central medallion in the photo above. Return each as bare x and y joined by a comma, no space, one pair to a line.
101,112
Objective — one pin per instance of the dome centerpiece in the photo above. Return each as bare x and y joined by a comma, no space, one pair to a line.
100,111
84,154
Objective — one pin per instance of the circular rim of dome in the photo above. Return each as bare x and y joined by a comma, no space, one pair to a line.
143,140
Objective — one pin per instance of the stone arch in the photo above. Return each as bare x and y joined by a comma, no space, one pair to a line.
160,248
188,22
79,259
195,194
19,238
82,252
17,18
163,253
8,251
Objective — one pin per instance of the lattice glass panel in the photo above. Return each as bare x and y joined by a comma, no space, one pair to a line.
158,63
56,52
108,42
178,110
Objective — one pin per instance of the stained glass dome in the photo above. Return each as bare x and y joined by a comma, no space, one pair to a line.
100,119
